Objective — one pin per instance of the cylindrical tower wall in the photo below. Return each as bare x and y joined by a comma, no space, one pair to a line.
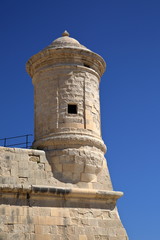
66,99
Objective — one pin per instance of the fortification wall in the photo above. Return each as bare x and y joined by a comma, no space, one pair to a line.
34,205
31,167
57,223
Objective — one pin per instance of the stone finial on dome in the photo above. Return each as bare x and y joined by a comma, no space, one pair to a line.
65,34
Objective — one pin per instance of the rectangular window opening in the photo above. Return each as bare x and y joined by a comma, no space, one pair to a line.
72,108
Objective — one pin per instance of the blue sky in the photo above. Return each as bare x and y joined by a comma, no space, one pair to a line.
127,35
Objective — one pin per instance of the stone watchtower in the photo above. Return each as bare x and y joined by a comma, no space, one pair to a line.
63,189
66,78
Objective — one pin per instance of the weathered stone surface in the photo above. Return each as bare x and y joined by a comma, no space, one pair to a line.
31,167
68,223
63,191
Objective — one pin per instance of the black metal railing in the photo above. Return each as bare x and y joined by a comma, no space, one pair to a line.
23,141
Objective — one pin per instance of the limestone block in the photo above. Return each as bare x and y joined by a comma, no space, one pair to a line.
43,236
90,169
23,163
87,177
34,158
83,237
23,173
71,125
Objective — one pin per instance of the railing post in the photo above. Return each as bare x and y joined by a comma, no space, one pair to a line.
26,141
5,142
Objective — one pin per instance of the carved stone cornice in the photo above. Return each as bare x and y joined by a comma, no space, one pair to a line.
69,140
51,57
65,193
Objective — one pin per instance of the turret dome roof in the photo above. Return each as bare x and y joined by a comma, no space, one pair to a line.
66,42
